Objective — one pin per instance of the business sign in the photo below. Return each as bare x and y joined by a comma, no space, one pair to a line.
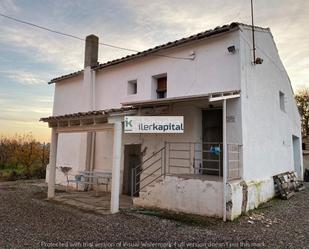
153,124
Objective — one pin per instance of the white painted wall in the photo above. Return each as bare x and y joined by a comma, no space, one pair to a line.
267,146
104,151
266,130
257,192
68,96
151,143
234,121
192,112
194,196
204,197
71,147
71,152
213,70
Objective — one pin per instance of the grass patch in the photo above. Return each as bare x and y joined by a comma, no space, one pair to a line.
19,172
265,205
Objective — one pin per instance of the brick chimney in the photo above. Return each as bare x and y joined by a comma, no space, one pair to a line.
88,99
91,51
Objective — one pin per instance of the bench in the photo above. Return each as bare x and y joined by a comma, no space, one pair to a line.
93,178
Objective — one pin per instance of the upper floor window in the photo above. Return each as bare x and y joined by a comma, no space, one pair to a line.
282,101
132,87
161,87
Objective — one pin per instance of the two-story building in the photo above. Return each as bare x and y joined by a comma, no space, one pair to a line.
240,104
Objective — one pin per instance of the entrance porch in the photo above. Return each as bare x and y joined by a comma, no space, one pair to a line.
202,156
94,121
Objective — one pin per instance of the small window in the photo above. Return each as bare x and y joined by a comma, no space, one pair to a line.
132,87
161,87
282,101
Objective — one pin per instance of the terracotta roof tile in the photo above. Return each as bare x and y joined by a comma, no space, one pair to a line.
201,35
87,114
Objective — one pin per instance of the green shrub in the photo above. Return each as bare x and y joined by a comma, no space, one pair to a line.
37,171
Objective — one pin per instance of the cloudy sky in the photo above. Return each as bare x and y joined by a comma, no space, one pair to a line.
30,57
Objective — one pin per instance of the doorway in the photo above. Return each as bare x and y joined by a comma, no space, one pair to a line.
297,155
212,135
132,158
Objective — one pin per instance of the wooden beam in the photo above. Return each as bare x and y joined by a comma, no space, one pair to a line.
85,128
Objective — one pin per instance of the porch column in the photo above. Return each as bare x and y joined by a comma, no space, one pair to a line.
224,160
116,166
52,164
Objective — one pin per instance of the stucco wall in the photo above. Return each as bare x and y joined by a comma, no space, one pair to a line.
103,160
266,130
204,197
195,196
68,96
243,196
192,112
234,121
213,70
72,147
71,152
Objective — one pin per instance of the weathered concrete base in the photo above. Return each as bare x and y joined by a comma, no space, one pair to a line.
195,196
243,196
204,197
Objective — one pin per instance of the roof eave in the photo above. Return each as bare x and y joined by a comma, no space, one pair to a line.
202,35
199,36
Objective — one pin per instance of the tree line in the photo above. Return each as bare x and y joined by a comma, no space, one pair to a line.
22,157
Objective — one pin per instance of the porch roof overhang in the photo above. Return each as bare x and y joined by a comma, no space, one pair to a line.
87,121
98,120
211,97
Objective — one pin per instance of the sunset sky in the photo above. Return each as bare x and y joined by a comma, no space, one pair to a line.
30,57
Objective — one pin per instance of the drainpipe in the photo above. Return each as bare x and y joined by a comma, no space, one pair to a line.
224,160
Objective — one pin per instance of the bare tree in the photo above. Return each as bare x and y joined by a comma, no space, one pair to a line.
302,99
23,151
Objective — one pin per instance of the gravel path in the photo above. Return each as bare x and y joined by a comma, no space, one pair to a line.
29,221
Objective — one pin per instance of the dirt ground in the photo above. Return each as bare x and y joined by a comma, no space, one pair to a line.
28,220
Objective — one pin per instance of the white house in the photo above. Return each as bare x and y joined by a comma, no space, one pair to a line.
228,100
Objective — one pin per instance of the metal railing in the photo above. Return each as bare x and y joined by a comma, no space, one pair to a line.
203,158
148,171
196,158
